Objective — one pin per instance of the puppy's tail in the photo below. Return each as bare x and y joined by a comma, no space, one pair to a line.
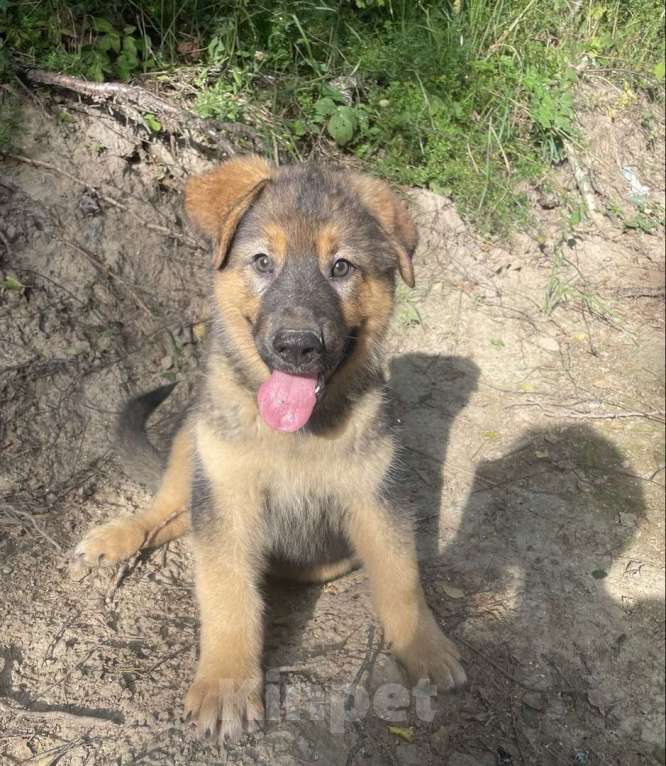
141,459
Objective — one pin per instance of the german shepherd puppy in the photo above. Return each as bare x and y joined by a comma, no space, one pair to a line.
285,459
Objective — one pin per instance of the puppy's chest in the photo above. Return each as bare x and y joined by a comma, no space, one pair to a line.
304,505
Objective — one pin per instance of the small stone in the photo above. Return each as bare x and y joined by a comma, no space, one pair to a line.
548,200
451,591
199,331
167,362
89,204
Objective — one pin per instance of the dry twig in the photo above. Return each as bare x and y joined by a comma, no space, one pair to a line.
656,415
38,529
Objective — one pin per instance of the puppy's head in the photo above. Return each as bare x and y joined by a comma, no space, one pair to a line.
305,259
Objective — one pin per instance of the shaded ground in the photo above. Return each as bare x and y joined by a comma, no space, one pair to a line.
529,452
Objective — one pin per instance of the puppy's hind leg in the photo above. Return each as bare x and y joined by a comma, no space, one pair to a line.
165,519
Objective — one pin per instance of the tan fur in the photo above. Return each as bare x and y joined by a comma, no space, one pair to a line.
217,200
241,462
227,584
326,244
278,240
394,217
389,558
110,543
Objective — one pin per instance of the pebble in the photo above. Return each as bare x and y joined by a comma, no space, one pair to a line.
548,201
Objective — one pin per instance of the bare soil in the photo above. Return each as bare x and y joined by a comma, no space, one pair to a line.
532,453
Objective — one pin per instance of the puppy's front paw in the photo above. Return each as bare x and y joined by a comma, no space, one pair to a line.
108,544
225,708
431,655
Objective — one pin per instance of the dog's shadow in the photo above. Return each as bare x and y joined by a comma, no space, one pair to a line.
540,529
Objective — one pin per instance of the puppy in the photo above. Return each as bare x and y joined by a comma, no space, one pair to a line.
284,461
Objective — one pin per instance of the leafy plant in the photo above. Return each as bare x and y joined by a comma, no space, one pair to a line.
469,99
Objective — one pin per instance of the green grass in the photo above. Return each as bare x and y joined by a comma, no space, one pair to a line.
472,98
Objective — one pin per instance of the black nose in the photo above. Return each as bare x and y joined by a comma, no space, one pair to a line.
298,347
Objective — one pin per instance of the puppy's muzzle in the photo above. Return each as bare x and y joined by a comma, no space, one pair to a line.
298,350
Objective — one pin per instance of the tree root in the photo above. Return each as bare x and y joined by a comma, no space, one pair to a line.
133,102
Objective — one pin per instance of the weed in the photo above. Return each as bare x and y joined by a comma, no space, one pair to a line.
566,285
470,99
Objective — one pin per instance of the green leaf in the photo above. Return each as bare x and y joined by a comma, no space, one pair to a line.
95,72
576,217
129,48
325,107
102,25
341,128
298,128
404,732
350,113
109,42
152,123
10,282
329,91
660,70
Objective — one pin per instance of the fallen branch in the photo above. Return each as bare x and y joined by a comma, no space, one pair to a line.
656,415
134,102
641,292
38,529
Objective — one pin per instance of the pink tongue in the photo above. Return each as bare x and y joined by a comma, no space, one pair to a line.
286,401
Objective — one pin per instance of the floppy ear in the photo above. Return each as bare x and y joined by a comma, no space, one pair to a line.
394,217
217,200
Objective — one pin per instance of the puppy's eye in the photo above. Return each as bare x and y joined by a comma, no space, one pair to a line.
263,263
341,268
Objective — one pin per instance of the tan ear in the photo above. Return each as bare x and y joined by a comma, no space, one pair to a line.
392,213
217,200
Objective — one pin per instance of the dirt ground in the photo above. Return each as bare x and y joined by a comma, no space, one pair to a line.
532,452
